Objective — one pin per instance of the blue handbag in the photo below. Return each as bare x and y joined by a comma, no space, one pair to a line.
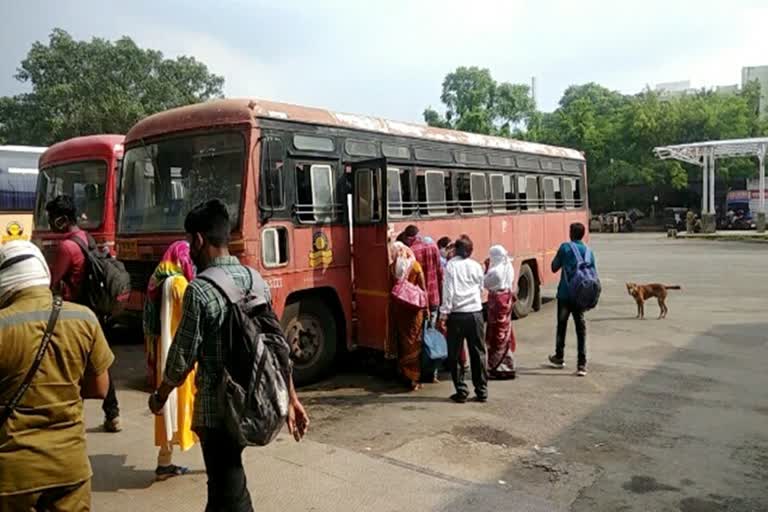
434,347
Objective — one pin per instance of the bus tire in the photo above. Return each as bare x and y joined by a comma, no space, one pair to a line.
310,329
537,300
526,292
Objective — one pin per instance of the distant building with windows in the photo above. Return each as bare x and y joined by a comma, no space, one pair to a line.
759,73
748,74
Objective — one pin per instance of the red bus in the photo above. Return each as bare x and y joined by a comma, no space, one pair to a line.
316,196
86,169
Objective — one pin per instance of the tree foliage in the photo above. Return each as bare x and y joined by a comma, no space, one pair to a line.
617,132
97,86
475,102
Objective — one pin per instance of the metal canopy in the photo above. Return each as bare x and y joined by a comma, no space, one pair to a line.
693,152
705,154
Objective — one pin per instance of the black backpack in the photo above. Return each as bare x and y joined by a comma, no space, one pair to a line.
106,284
253,390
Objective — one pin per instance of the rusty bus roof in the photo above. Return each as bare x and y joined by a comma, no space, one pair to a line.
244,111
76,148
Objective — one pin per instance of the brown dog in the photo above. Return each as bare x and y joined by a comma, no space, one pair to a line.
643,292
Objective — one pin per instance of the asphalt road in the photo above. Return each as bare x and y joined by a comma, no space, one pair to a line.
673,415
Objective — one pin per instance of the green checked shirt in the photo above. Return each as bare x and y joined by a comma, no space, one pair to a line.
199,340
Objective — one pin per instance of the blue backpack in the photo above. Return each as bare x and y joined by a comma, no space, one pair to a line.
584,285
434,348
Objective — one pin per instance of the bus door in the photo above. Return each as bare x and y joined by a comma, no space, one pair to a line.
370,253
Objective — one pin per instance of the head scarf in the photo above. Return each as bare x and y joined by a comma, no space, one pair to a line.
500,275
175,262
404,260
22,265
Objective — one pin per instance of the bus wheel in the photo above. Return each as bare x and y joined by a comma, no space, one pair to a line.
310,329
526,292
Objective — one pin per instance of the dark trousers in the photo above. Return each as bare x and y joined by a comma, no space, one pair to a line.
564,310
469,327
227,489
109,406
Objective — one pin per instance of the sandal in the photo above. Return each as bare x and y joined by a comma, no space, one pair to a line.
163,473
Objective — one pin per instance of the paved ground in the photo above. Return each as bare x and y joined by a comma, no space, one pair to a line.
672,416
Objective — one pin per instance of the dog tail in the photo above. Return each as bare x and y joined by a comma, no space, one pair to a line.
675,287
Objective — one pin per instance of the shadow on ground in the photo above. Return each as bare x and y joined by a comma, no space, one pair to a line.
683,436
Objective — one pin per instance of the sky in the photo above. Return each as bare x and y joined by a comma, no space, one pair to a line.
389,58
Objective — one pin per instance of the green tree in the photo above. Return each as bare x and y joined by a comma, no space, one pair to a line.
97,86
475,102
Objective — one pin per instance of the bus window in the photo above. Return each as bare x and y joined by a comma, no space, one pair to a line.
532,187
314,186
570,192
399,194
274,246
84,181
479,192
553,197
272,189
435,185
366,197
432,192
503,193
578,200
309,143
394,151
528,192
497,193
464,189
450,198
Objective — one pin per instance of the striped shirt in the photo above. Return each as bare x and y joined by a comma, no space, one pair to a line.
199,341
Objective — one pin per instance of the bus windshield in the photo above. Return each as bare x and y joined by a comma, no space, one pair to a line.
162,181
85,182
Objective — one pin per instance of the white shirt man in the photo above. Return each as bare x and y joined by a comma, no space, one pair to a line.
462,313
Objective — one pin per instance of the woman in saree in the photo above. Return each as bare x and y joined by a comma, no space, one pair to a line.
409,322
162,314
499,335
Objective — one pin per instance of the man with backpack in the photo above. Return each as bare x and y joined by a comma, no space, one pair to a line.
228,308
70,271
578,291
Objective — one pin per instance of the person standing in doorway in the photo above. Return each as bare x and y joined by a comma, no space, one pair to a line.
461,315
68,273
566,261
199,340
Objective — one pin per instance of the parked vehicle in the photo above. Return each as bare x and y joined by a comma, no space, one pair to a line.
86,169
316,196
18,175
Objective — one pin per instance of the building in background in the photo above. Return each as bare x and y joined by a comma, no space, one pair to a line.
748,74
759,73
